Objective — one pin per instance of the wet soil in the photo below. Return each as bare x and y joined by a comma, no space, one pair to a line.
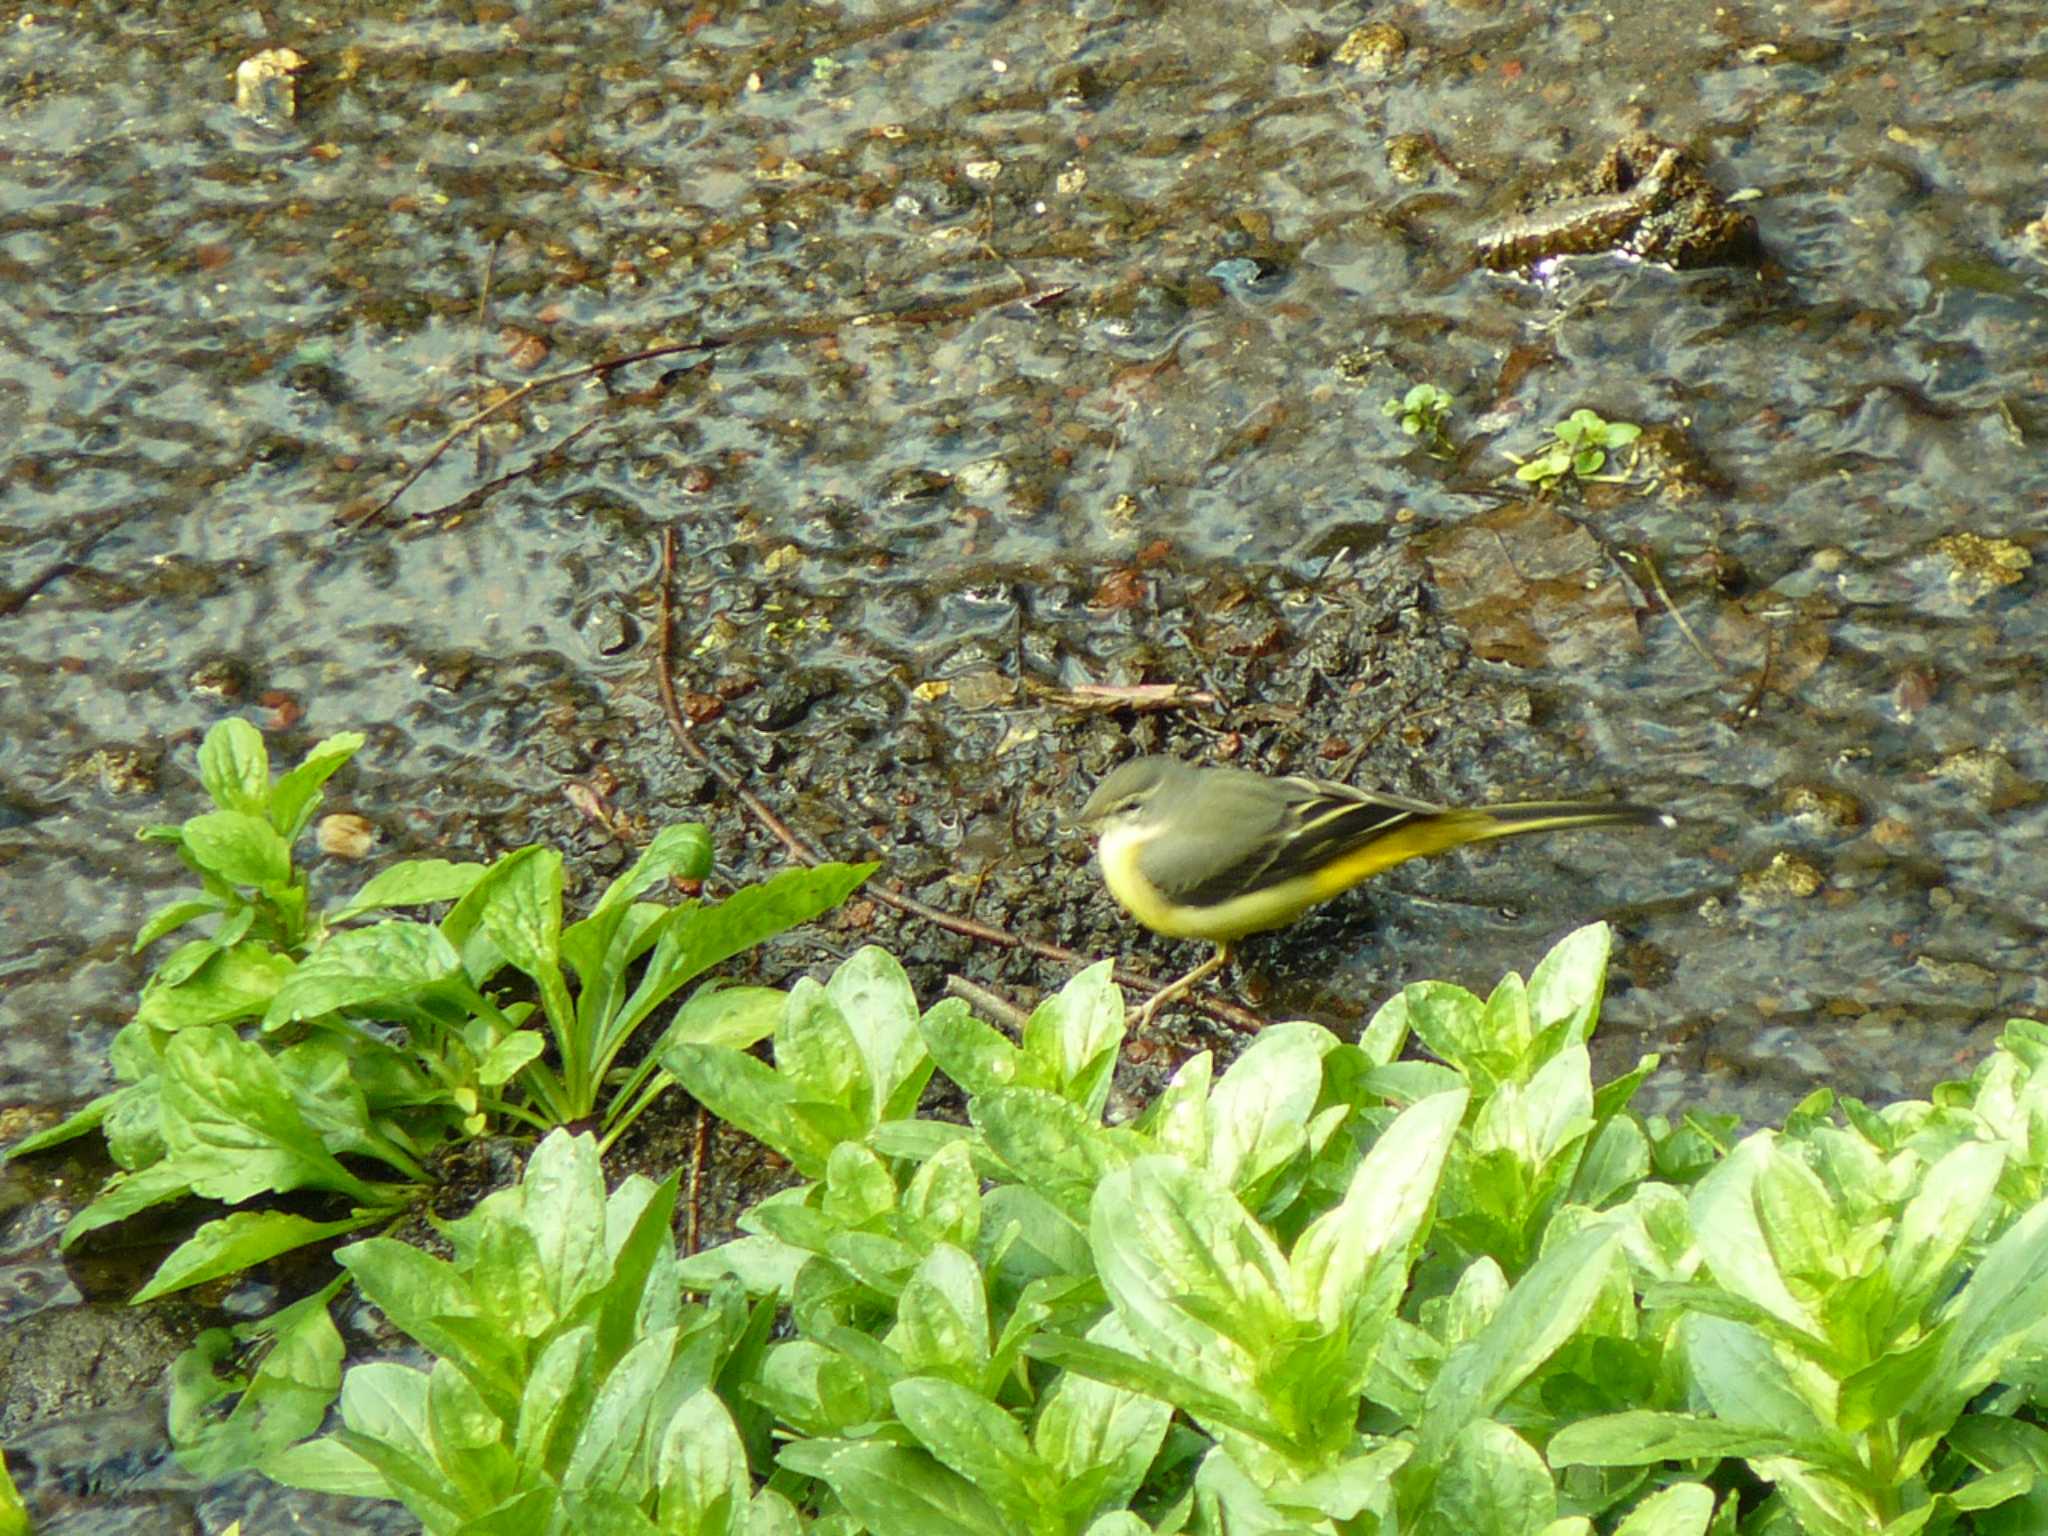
1056,344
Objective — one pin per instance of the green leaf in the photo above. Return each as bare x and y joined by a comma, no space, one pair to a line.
1740,1375
127,1194
1641,1439
1089,1428
384,1406
1492,1484
297,795
1999,1306
1731,1235
1680,1509
234,766
231,1128
696,938
817,1055
874,997
240,1241
170,917
966,1432
975,1055
942,1201
858,1189
1073,1038
241,848
1199,1284
942,1321
738,1017
521,913
505,1060
1543,1310
753,1096
1259,1108
388,963
228,984
1936,1224
700,1469
284,1401
1053,1145
1351,1263
893,1491
327,1466
74,1125
414,883
1567,984
1807,1238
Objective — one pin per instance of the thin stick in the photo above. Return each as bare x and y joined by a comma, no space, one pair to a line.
697,1147
1642,557
1753,705
880,890
776,330
476,345
994,1004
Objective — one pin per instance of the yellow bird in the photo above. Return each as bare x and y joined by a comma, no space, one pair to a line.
1218,853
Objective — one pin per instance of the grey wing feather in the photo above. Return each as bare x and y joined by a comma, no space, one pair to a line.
1253,840
1241,822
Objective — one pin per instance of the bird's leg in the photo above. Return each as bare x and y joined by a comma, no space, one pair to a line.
1171,990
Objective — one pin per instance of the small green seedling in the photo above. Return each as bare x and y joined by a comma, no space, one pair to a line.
1424,410
1578,447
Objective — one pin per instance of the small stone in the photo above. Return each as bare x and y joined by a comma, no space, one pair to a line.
1786,878
1821,810
1987,775
1411,158
122,770
1979,566
220,678
1914,690
914,484
264,89
983,479
1373,49
344,835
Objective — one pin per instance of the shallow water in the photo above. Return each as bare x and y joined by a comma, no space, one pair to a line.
222,344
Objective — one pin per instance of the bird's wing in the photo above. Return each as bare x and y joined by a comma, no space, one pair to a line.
1255,842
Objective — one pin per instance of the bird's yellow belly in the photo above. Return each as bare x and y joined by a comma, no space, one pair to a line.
1273,907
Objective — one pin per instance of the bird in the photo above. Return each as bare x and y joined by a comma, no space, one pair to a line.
1220,853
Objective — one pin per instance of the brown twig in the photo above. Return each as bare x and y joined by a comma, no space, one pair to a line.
698,1143
994,1004
1754,704
772,330
1139,698
476,345
880,890
1642,558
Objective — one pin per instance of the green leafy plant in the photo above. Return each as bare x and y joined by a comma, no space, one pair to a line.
1434,1282
1579,449
1424,412
572,1389
336,1053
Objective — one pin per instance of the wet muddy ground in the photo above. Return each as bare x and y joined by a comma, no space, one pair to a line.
1054,344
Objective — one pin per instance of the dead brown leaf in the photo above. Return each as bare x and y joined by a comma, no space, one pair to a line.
1532,587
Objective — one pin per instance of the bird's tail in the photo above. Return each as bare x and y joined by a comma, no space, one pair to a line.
1493,821
1418,836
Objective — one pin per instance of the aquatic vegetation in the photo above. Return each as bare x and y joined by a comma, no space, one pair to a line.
1578,449
1437,1279
341,1052
1335,1288
1424,412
